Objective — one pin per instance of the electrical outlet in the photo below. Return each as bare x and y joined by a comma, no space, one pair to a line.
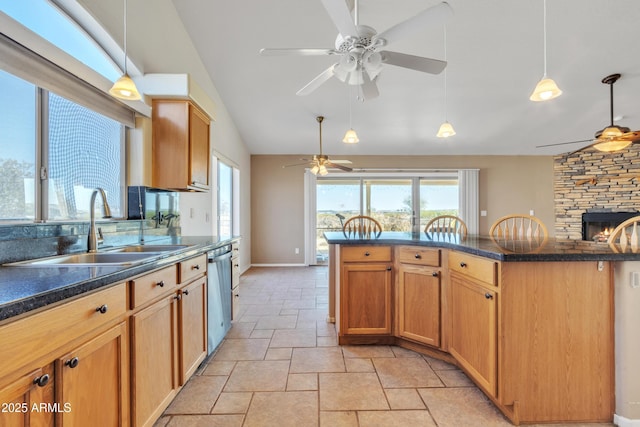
297,251
483,213
635,279
532,212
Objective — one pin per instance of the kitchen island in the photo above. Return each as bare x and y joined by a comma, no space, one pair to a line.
532,324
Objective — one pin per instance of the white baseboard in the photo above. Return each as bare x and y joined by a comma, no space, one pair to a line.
625,422
279,265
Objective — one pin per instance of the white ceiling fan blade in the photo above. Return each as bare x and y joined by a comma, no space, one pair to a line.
341,162
341,17
317,81
437,14
564,143
299,52
418,63
369,87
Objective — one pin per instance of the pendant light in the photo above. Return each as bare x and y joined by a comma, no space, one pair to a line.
350,137
546,88
124,87
446,130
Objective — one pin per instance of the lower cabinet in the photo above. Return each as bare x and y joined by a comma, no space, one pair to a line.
474,331
193,331
92,381
366,296
153,356
418,303
19,396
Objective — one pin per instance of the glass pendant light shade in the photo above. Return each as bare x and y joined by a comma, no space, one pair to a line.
350,137
446,130
545,90
315,169
125,88
323,170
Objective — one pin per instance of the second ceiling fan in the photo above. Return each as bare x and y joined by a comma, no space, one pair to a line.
360,48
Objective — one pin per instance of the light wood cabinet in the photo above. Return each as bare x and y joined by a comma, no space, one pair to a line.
235,280
19,397
365,291
93,387
418,298
180,145
193,327
68,365
474,330
154,359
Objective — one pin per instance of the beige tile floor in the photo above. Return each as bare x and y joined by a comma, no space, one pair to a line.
280,366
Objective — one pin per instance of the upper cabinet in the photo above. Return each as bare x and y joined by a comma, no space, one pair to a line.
180,145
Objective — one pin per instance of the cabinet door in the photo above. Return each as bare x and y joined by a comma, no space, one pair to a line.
19,397
366,298
419,304
198,148
154,352
474,330
92,381
193,327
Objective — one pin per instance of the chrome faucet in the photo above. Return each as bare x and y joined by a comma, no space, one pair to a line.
92,239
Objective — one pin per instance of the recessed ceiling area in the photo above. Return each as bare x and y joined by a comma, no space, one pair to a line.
495,58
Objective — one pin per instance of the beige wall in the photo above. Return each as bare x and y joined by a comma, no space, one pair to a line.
508,184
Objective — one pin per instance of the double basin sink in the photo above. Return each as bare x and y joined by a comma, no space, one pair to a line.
126,255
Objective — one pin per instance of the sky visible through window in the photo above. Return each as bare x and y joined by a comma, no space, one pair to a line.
45,20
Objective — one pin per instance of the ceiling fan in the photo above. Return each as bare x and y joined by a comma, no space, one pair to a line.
360,48
612,137
320,162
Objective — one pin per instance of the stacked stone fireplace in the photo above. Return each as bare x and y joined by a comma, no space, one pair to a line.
592,182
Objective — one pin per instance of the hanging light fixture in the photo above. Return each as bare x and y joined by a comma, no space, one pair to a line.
124,87
446,129
546,88
350,137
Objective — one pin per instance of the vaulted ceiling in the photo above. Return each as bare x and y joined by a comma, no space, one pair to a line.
494,50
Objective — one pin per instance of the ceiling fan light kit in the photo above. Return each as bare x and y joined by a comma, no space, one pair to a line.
359,47
124,87
546,88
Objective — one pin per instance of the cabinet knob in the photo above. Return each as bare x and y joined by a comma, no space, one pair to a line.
160,283
236,265
42,381
435,274
389,268
418,256
185,292
463,264
195,267
367,253
72,363
177,297
488,295
102,309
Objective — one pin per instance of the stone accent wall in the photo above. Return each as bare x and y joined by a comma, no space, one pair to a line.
594,181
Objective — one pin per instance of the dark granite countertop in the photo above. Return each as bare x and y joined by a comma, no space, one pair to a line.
23,289
521,250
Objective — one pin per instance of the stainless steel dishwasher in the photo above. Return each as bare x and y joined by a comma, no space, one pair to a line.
218,296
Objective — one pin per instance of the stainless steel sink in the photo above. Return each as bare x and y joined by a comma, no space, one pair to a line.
101,258
148,248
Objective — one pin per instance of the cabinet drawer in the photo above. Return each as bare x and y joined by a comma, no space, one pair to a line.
419,256
38,335
365,253
148,287
193,267
478,268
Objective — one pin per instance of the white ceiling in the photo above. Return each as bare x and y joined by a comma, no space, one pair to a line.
495,58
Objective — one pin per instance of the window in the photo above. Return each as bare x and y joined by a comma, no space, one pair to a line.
225,200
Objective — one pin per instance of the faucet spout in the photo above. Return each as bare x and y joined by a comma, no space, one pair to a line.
92,238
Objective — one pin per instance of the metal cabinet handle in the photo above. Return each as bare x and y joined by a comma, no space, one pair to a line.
72,363
488,295
435,274
463,264
160,283
42,381
367,253
389,268
102,309
195,267
185,292
177,297
418,256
